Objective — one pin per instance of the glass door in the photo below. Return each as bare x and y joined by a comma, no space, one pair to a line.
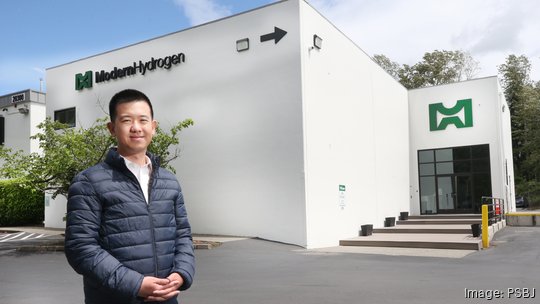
446,195
454,194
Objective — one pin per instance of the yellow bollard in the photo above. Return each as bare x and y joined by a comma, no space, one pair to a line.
485,226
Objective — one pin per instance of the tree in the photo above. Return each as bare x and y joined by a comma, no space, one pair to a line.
435,68
388,65
516,85
514,78
523,97
530,134
67,151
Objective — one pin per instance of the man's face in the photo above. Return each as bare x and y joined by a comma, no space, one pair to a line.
133,128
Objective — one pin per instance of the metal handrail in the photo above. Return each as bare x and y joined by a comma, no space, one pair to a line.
496,209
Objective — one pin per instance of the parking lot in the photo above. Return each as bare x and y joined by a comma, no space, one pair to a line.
258,271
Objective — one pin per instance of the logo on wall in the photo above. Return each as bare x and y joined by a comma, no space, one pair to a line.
83,80
138,67
450,115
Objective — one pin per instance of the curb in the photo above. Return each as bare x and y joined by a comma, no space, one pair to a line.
55,247
198,244
43,248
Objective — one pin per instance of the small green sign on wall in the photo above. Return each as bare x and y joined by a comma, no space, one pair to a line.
451,115
342,197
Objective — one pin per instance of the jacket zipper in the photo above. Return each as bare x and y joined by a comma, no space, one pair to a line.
150,182
150,215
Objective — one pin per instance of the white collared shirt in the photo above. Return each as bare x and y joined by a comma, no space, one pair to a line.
142,173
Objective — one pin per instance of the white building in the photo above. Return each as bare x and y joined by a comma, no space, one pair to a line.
299,136
20,113
460,147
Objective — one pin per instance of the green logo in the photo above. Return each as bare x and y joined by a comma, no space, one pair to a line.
83,81
464,104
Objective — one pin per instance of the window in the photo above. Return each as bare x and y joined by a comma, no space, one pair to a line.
444,155
453,179
66,116
506,170
2,130
425,156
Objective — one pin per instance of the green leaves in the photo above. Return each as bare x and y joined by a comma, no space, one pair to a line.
435,68
523,97
67,151
514,74
161,143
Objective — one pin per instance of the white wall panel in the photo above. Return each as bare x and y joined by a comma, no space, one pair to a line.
355,134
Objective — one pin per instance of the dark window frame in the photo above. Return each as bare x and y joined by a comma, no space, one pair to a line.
457,158
2,130
61,116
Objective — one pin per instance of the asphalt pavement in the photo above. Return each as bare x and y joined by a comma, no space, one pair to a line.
257,272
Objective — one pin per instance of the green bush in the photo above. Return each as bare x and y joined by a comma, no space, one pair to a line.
20,204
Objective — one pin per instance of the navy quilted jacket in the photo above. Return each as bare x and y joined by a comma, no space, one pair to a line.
114,238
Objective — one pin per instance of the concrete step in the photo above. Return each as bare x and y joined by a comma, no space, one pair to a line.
435,241
430,229
446,216
440,221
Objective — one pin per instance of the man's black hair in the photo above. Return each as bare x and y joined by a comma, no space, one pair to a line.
128,95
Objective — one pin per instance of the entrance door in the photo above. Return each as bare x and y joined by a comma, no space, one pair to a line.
454,194
445,194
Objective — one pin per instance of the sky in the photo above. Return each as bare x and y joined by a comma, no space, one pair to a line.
39,34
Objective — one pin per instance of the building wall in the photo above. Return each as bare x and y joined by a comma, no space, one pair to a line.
355,134
55,211
17,129
37,116
241,164
506,152
490,126
19,126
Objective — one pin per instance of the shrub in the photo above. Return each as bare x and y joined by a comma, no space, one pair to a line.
20,204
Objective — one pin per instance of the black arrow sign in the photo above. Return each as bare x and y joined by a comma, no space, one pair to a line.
276,35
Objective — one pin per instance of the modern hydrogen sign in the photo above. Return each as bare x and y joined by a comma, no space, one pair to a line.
86,80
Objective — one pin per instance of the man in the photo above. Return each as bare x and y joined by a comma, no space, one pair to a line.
127,230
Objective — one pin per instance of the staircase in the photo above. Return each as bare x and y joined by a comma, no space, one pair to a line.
425,231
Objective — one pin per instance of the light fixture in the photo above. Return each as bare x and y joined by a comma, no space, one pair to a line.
317,42
242,45
24,110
